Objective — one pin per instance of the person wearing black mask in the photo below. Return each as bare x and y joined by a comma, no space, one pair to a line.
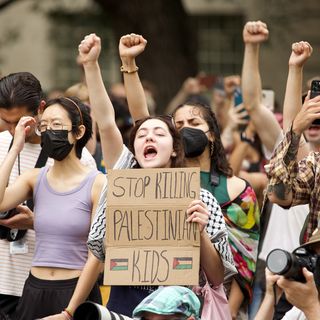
194,141
201,136
20,95
65,195
203,148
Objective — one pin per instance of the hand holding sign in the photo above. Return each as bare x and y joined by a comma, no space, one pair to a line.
198,212
154,221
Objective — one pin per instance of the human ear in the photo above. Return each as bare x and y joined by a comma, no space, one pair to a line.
82,130
41,106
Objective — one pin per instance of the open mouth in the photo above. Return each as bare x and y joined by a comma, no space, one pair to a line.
149,152
314,129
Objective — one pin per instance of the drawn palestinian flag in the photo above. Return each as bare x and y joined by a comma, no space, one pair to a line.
182,263
118,264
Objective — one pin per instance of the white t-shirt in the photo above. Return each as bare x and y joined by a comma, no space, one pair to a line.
294,314
14,268
284,227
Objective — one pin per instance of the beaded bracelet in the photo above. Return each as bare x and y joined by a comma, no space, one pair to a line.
124,70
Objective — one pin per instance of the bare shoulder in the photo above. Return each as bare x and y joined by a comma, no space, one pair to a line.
98,185
31,176
235,186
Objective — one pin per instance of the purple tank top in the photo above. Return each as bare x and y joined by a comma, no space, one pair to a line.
62,223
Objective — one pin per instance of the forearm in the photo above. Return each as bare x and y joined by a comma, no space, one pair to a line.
237,156
266,310
313,313
135,93
178,99
103,112
100,102
5,170
87,279
250,80
292,100
210,260
280,188
268,129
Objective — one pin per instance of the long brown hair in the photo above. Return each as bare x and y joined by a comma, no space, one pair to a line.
219,162
176,162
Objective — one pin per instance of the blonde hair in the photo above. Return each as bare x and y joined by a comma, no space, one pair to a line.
79,90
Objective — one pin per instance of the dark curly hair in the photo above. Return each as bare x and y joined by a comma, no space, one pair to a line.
219,162
79,113
176,162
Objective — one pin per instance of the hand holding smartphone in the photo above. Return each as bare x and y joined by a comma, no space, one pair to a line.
315,91
237,101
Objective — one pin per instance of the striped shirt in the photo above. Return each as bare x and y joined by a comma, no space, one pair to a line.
14,268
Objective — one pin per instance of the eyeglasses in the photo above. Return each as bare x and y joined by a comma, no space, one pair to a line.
55,125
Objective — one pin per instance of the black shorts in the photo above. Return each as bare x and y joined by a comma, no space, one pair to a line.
41,298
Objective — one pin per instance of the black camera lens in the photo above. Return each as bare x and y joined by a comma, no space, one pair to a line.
279,261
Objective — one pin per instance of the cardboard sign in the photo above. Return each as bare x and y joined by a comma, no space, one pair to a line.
148,241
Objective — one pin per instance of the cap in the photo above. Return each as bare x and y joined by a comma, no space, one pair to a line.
170,300
315,238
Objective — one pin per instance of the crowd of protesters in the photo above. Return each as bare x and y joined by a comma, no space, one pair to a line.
258,177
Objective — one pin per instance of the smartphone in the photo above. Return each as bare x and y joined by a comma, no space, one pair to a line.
268,99
315,91
238,100
237,97
315,88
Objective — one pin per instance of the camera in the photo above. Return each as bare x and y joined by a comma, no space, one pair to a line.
7,233
290,265
6,215
93,311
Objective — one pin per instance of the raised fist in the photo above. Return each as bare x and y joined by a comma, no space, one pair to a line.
301,51
131,45
255,32
89,49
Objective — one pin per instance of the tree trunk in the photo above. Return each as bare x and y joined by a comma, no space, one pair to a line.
170,55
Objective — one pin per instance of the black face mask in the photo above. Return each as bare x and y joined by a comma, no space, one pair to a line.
56,144
194,141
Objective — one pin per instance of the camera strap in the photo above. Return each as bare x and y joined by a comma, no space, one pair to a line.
275,296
